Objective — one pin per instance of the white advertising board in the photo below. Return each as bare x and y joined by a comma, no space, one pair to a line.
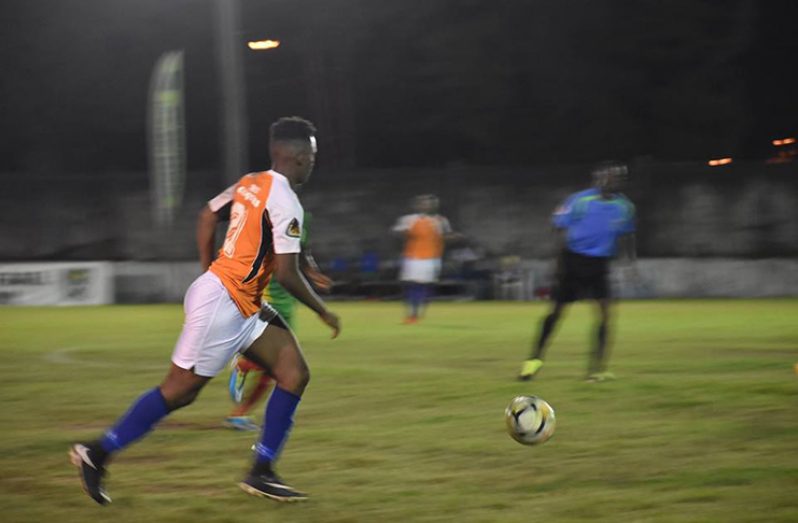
59,283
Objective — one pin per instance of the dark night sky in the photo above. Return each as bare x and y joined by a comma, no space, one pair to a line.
407,83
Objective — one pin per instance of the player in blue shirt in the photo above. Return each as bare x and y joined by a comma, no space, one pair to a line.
592,224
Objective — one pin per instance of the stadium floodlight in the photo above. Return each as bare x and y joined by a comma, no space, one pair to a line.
784,141
263,45
719,161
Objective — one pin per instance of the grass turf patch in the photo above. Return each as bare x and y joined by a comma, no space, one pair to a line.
405,423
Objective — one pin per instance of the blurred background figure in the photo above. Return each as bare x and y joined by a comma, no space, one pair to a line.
590,225
425,233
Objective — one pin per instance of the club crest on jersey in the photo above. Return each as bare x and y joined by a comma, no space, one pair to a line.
294,231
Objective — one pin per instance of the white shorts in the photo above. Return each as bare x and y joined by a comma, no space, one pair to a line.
420,271
214,329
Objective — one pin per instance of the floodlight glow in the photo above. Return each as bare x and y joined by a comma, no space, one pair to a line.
263,45
784,141
719,161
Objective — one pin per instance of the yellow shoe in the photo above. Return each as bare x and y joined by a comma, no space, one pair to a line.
529,369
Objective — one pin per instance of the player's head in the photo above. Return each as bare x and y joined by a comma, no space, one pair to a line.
610,176
426,203
292,145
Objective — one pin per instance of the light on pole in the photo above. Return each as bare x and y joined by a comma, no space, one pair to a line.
263,45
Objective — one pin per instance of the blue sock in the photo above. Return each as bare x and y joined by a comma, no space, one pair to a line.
423,295
148,410
279,418
410,293
417,295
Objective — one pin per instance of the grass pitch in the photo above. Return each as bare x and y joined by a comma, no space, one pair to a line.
405,423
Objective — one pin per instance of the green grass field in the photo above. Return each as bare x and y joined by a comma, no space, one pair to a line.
406,423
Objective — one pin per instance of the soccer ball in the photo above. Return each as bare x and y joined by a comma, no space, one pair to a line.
530,420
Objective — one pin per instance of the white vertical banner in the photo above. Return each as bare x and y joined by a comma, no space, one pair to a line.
166,137
67,283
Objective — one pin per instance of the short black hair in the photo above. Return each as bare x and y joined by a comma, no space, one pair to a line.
289,128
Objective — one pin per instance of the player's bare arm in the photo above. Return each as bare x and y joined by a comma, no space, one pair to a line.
307,264
290,277
206,231
454,237
399,233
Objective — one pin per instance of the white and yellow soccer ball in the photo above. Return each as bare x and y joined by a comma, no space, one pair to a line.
530,420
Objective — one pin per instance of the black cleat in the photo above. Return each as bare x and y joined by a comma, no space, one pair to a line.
266,484
91,472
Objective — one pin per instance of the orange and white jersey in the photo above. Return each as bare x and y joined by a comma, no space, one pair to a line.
424,235
265,219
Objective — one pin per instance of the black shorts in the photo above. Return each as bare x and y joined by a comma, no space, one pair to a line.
581,277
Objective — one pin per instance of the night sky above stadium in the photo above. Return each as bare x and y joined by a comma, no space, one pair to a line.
407,83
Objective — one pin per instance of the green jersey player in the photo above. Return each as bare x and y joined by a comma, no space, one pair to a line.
248,382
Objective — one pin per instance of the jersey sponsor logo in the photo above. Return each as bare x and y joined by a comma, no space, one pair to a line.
293,230
248,196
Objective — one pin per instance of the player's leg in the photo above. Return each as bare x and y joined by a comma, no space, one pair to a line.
424,295
413,292
200,353
547,329
248,383
178,389
535,361
413,297
599,356
286,312
598,285
276,350
416,297
430,272
565,291
181,387
258,392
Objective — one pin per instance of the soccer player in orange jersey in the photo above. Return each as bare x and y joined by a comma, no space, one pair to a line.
223,314
425,233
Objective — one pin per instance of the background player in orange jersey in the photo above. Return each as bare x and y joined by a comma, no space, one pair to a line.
425,233
223,314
